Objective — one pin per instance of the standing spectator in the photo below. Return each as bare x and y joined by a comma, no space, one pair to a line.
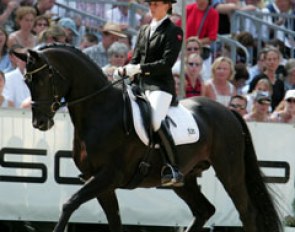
98,53
157,48
239,104
260,110
3,101
88,40
44,6
7,14
16,90
117,54
121,15
278,7
225,8
219,87
70,29
25,16
5,63
202,21
272,61
41,23
287,114
194,85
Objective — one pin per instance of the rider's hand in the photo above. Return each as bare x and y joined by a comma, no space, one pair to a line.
131,69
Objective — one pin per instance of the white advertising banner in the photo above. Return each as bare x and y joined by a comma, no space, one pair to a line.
36,173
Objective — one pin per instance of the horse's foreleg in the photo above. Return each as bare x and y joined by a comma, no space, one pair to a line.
109,203
90,190
200,207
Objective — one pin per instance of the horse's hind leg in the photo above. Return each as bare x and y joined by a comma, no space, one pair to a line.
90,190
199,205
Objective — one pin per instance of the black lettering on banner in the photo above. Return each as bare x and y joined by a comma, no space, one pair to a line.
23,165
58,178
276,165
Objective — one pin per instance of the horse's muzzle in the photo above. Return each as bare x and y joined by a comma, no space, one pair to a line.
43,124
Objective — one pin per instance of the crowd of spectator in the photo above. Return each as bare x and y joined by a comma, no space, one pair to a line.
262,91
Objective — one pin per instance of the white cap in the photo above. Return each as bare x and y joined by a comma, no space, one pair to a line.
290,94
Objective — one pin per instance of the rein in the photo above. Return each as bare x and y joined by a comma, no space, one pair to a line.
56,104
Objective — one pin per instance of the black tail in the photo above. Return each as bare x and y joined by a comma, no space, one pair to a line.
267,217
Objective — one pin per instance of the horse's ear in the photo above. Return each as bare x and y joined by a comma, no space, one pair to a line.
22,56
34,55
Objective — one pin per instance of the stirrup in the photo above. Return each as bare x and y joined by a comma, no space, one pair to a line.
170,176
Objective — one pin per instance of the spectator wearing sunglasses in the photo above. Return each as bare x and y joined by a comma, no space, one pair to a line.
194,85
239,104
261,109
287,113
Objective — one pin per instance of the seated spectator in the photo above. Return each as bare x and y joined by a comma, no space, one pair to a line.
239,104
3,101
219,87
272,62
260,111
16,90
202,21
88,40
41,23
5,63
263,86
70,29
289,81
117,54
194,45
110,34
52,34
240,78
194,85
258,68
287,113
25,17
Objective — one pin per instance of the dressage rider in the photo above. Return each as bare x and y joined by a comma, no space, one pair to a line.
156,51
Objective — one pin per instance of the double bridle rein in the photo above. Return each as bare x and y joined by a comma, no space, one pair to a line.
56,103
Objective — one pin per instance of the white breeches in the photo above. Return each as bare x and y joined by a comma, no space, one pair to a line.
160,102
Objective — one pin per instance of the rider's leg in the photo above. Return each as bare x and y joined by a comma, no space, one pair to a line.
160,102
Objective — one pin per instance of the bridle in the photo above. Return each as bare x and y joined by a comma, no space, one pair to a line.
56,103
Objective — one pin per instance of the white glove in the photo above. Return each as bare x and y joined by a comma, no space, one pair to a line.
118,73
131,69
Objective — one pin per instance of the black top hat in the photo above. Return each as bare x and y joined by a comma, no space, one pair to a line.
166,1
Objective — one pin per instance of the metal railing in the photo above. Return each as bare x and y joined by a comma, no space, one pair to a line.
98,8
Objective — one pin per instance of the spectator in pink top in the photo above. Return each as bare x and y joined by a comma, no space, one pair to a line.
195,12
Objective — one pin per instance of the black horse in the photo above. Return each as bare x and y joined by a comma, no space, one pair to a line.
109,159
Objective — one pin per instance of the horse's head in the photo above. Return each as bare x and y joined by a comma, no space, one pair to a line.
41,79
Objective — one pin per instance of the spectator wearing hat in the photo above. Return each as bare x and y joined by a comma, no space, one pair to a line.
157,48
260,110
98,53
70,28
287,113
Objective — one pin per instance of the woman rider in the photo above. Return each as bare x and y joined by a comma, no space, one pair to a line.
157,48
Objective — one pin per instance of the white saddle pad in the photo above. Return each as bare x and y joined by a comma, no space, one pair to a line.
186,129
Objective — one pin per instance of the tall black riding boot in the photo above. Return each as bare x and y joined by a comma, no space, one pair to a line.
170,175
